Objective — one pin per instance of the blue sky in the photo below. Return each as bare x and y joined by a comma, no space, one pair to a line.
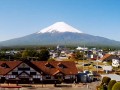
96,17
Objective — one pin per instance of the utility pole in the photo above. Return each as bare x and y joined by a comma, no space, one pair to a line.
9,58
83,57
97,62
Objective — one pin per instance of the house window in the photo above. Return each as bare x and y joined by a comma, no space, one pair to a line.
10,76
14,73
48,77
5,65
62,66
36,76
49,65
32,73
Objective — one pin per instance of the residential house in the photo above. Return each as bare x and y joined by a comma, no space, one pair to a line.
37,71
115,62
109,57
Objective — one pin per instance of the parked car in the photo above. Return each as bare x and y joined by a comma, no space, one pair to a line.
88,64
98,66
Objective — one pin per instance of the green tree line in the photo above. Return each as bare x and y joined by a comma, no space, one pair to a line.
30,54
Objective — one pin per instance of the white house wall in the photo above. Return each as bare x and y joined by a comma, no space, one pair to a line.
23,65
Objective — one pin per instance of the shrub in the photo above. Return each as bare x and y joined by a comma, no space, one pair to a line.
51,59
116,86
110,84
106,80
103,85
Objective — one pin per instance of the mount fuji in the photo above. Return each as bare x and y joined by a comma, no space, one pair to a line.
62,34
60,27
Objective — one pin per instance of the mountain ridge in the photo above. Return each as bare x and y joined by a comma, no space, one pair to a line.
53,36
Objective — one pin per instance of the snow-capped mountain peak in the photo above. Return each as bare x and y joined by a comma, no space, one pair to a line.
59,27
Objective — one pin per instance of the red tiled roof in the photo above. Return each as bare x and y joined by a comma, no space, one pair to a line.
105,57
11,65
56,72
70,67
69,70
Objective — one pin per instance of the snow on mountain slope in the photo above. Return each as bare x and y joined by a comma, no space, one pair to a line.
59,27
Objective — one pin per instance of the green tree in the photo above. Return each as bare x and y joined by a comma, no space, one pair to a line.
2,56
29,54
25,54
44,55
79,55
18,56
